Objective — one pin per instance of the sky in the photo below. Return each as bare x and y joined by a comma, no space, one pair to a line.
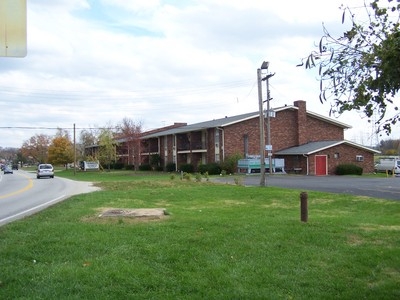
94,63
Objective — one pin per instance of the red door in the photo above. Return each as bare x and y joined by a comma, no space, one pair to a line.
321,165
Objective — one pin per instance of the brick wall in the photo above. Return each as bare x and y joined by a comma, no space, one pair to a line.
301,120
344,154
283,130
234,137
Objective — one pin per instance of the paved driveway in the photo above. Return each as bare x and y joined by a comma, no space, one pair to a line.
386,188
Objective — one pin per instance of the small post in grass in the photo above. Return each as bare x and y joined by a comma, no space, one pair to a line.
304,206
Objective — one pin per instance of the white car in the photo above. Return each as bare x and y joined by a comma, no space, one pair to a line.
45,170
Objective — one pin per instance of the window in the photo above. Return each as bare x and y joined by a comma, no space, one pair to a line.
336,155
246,144
359,158
216,138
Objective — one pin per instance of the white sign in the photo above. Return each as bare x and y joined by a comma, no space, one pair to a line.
268,147
90,165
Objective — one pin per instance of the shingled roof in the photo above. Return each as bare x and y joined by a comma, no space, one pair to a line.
313,147
223,122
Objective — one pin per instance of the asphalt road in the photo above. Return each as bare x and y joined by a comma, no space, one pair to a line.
21,194
385,188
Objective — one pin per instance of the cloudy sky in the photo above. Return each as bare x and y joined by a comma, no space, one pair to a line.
94,62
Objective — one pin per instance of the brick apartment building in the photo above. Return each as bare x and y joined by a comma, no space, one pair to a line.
308,142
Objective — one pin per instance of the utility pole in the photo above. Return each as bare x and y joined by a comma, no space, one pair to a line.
266,78
262,135
264,66
74,150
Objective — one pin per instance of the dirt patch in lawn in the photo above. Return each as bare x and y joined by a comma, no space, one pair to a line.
128,215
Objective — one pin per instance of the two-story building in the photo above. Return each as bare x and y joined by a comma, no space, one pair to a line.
308,142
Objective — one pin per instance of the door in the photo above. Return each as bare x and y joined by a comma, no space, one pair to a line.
321,165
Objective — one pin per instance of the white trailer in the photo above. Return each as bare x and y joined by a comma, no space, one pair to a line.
388,165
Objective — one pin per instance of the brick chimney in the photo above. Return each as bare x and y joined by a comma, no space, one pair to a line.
301,121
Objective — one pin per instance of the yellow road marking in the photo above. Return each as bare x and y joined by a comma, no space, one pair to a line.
24,189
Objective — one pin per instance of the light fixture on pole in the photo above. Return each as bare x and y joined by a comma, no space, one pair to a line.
264,66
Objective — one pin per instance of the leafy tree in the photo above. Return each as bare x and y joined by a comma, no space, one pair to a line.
21,158
360,70
130,132
36,148
107,147
61,151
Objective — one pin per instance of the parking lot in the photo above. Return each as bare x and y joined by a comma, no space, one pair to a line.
379,187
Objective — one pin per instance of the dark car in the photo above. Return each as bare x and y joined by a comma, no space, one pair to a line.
15,166
7,170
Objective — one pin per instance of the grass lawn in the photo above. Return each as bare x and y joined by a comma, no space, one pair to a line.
217,242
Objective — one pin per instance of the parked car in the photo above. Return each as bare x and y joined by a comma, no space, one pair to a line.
7,170
15,166
45,170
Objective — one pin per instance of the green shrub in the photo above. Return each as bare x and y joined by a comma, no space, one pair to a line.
186,176
145,167
202,168
187,168
238,180
198,177
130,167
117,166
211,169
230,163
170,167
155,161
348,169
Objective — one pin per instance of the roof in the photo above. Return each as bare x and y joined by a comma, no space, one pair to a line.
223,122
204,125
313,147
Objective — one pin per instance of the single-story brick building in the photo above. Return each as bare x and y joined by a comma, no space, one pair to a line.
309,143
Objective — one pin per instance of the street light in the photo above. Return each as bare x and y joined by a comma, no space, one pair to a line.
264,66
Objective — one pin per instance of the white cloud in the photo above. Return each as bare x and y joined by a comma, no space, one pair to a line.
94,62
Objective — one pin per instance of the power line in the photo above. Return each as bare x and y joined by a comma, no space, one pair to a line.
53,128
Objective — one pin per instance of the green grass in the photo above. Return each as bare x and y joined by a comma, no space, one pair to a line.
218,242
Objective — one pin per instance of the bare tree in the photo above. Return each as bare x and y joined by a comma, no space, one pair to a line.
129,133
89,139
